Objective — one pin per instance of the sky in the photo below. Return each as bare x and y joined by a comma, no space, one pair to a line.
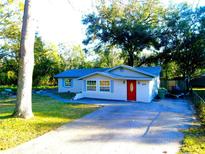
59,21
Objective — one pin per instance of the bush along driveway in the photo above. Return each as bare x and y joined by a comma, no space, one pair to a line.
132,128
194,141
49,114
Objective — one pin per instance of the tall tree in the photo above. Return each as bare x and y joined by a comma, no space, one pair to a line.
109,57
26,63
128,26
10,23
182,39
48,62
74,56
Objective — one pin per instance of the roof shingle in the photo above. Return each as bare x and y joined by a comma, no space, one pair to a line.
76,73
155,70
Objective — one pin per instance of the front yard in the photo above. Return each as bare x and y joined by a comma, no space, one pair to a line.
49,114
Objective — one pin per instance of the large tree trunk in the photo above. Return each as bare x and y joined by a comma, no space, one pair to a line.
130,58
26,63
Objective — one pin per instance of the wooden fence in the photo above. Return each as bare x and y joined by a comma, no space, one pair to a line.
169,84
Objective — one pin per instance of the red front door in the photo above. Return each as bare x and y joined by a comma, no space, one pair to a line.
131,90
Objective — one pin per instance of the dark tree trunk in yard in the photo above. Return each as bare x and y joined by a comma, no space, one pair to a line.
131,59
26,63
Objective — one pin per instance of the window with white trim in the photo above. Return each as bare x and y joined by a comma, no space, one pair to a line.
67,82
91,85
105,85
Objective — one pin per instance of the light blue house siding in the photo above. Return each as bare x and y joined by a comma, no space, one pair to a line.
76,85
93,83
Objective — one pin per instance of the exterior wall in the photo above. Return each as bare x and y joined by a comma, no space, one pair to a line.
145,90
126,72
153,87
119,91
143,94
146,93
76,86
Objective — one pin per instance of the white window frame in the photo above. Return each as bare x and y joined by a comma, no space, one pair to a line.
65,82
105,86
91,85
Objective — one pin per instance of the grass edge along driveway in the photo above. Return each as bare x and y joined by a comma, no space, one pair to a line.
49,115
194,141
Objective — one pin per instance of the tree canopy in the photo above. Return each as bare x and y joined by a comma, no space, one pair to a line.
49,60
174,35
182,39
128,26
130,32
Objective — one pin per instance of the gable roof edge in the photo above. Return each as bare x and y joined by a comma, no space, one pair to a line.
91,74
131,68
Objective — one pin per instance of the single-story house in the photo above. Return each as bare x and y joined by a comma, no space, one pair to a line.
118,83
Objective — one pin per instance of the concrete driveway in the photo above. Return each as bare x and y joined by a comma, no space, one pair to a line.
137,128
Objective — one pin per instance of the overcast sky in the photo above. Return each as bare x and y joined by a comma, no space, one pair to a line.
60,20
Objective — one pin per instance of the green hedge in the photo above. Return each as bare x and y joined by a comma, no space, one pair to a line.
194,141
44,87
14,88
198,99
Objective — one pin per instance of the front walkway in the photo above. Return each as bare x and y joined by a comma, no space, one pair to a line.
84,100
54,96
137,128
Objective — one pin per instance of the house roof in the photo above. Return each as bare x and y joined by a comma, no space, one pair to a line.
76,73
82,73
152,70
130,68
114,76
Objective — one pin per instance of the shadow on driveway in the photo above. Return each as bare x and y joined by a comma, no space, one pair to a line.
119,128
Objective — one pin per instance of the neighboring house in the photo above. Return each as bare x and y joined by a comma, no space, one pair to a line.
118,83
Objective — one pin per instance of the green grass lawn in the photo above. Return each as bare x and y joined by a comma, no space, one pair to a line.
65,95
14,87
196,89
49,114
194,141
